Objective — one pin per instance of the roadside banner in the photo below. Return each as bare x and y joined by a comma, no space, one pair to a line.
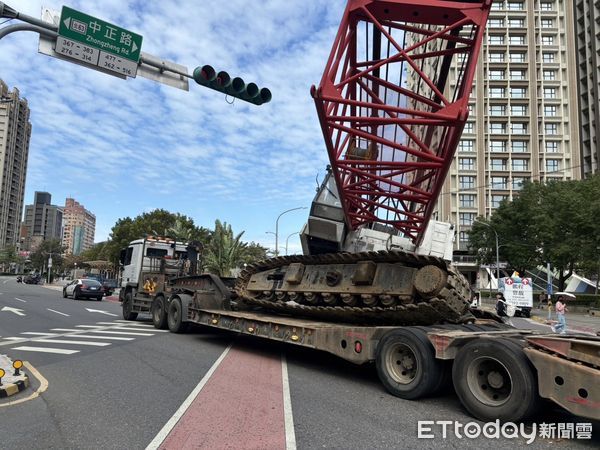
517,291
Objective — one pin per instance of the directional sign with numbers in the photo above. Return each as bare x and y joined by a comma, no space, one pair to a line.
99,43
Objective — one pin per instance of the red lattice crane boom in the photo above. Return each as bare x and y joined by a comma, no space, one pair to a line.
391,111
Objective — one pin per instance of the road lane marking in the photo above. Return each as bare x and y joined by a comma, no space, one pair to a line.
290,435
64,329
102,312
164,432
40,334
61,351
116,323
21,300
87,326
17,311
116,338
43,386
121,332
58,312
13,338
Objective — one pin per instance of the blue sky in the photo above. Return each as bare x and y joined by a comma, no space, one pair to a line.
125,147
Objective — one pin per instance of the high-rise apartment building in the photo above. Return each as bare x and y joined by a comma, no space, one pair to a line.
15,132
43,221
79,227
524,118
587,25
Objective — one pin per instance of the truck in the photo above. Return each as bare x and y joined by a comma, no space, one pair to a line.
375,283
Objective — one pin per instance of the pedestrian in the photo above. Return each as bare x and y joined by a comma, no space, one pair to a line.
549,306
561,309
500,305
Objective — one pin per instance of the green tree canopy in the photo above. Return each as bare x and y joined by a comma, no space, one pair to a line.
555,222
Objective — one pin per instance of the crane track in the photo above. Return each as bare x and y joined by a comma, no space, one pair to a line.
449,305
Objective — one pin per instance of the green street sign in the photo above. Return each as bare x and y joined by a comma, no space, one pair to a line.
96,33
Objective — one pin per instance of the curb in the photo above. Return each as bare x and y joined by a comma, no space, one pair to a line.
8,389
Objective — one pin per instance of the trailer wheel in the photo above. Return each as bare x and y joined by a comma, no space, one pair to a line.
174,317
494,380
128,313
406,364
159,313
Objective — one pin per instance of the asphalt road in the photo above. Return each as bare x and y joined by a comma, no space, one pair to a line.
123,394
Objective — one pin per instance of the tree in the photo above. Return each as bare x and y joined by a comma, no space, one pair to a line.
554,222
225,251
49,247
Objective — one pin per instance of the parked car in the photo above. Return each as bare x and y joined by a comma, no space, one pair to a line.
32,279
109,286
84,288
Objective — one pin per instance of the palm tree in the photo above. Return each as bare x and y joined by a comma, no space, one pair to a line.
225,252
180,231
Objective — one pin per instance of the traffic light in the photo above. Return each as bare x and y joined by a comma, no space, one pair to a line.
222,82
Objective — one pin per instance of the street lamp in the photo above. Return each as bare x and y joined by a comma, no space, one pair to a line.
287,239
277,227
497,253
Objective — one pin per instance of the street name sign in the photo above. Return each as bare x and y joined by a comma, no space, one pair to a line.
98,43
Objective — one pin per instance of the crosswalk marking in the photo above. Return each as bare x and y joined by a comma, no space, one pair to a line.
39,334
121,332
61,351
86,326
67,341
65,329
116,338
14,338
139,329
127,322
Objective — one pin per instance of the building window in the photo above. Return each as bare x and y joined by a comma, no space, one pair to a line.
517,75
466,145
496,57
519,146
497,92
552,165
547,23
517,182
466,182
496,127
498,5
497,22
496,74
550,110
468,127
467,200
499,182
497,199
546,6
549,92
548,57
466,163
518,128
549,75
516,40
496,39
518,110
463,236
471,108
467,219
520,165
497,110
515,6
498,164
551,128
518,57
551,146
515,22
547,40
518,92
498,146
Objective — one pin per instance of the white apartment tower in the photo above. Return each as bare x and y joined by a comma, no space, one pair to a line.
524,117
15,132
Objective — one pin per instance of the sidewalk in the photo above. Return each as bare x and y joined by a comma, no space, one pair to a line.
576,321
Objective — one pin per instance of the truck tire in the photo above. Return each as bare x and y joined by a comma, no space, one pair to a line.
175,317
128,313
406,364
159,313
494,380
